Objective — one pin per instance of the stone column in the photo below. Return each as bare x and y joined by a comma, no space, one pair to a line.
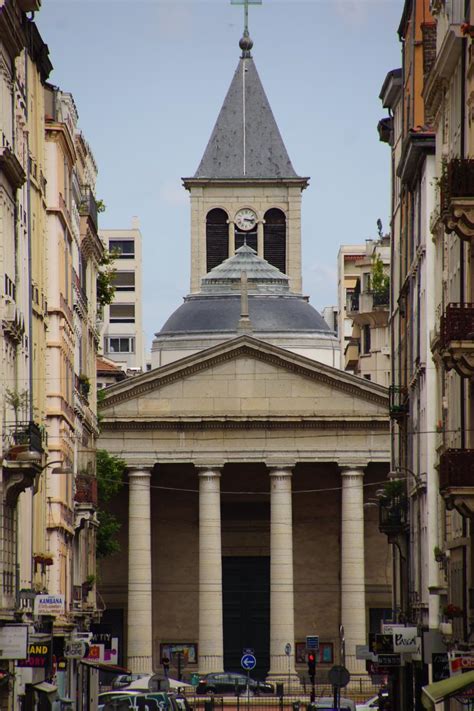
231,238
352,565
260,238
281,575
140,645
211,644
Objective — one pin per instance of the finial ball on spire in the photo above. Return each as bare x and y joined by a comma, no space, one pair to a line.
246,43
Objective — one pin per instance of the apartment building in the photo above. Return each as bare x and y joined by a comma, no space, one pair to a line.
347,274
122,329
367,352
429,132
49,263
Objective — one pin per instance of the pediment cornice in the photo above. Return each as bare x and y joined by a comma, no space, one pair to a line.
246,423
245,346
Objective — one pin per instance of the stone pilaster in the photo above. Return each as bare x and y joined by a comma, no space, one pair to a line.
211,644
352,565
140,646
281,575
260,238
231,238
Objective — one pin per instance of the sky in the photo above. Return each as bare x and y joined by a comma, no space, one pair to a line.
149,77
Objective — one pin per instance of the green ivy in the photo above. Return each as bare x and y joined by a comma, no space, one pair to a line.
110,480
105,279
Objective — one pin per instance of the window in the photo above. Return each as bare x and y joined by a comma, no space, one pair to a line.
122,313
367,376
122,248
274,239
124,281
120,345
366,339
217,238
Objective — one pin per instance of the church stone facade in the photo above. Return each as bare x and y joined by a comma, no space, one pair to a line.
249,456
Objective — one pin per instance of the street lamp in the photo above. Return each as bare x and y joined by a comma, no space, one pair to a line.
33,457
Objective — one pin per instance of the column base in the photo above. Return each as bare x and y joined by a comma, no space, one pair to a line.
140,665
210,663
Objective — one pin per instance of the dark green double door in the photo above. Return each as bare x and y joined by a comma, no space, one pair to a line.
246,611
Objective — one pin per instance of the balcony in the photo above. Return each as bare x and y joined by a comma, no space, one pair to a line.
457,197
352,353
22,457
398,402
88,206
456,342
456,480
369,306
86,489
393,521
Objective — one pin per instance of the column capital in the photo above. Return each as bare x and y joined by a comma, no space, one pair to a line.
352,465
135,472
280,467
210,471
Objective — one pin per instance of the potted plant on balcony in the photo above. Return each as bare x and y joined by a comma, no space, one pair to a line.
84,385
380,282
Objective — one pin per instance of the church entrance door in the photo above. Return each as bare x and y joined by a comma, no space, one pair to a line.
246,610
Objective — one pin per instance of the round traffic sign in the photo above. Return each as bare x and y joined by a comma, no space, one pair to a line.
339,676
248,662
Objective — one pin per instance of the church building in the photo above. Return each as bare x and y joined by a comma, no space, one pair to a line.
250,456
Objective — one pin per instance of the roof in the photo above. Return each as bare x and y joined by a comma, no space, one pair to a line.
246,142
204,313
261,275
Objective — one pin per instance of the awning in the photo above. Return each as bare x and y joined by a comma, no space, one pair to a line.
440,690
103,666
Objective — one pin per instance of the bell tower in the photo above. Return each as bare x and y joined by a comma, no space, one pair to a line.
245,188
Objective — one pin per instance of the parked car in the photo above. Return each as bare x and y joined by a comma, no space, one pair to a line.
369,705
232,683
327,703
122,680
145,701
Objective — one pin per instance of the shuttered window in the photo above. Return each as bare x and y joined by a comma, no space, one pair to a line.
274,243
217,238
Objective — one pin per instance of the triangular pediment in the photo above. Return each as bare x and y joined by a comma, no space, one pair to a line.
245,378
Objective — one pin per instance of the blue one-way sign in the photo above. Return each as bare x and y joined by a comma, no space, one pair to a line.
248,662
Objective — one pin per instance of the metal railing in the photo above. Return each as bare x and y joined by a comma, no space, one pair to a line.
456,469
457,323
27,434
88,205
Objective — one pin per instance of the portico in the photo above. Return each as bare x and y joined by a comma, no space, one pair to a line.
253,482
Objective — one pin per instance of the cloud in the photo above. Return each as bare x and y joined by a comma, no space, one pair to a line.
172,193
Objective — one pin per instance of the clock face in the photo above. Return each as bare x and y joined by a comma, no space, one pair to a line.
246,219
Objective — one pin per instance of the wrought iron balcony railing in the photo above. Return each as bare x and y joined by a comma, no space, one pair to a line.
27,435
393,515
86,489
88,205
398,401
457,197
457,324
456,479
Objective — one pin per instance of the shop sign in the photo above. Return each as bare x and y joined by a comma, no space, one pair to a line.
39,655
460,662
52,605
75,649
14,642
406,641
103,653
440,666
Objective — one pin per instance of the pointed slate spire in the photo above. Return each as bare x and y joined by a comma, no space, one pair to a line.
246,142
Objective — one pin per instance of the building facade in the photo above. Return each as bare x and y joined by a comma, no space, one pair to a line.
122,333
249,455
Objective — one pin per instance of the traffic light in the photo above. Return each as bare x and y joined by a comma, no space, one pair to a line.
311,666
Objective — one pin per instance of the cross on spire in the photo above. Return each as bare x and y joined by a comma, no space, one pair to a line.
246,4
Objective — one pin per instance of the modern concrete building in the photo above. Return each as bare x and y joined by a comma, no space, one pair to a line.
249,455
122,328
